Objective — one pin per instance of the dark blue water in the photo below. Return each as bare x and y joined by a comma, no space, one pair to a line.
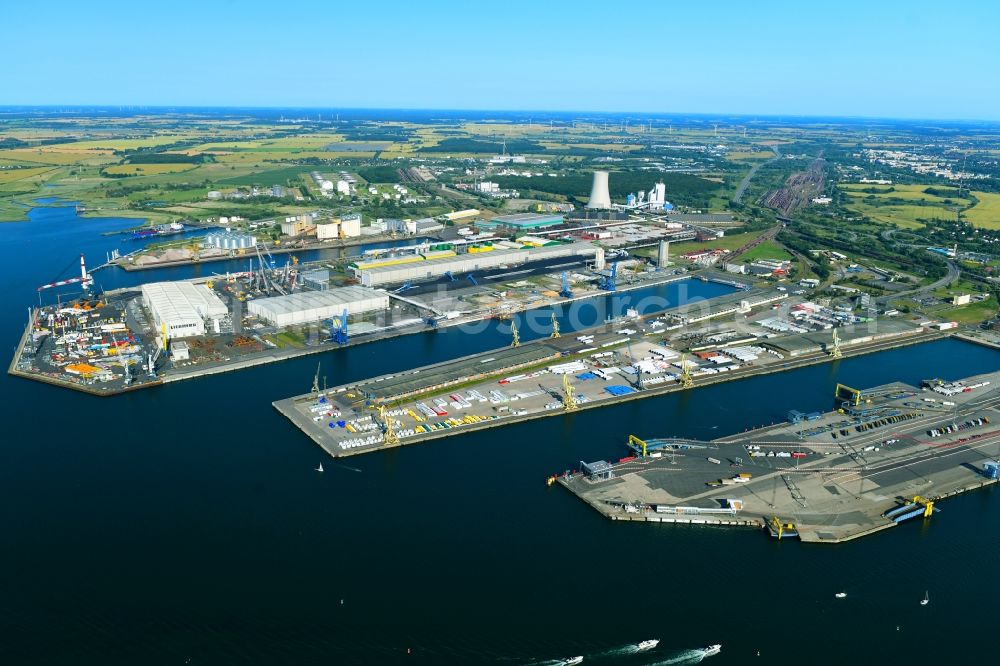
184,524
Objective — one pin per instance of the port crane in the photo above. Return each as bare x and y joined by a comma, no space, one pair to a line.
85,279
569,401
388,427
685,380
835,351
565,292
516,341
608,282
555,326
338,329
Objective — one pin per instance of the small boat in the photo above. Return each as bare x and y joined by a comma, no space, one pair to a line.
572,660
647,645
926,600
840,595
320,468
710,651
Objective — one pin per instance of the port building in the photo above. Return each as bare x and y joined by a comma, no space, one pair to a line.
311,306
182,309
420,267
527,221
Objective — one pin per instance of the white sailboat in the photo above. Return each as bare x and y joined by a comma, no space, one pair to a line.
320,468
926,600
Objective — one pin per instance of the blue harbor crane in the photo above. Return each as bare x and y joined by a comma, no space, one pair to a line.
566,292
472,279
608,281
338,329
448,274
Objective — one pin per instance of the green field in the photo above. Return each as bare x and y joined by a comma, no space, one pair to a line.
767,250
986,213
279,176
902,205
973,313
727,242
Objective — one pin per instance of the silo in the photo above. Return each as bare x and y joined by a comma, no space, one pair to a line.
599,197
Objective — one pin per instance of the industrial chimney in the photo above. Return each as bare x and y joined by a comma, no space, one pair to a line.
599,197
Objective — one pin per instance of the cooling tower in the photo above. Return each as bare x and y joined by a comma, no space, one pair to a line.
599,197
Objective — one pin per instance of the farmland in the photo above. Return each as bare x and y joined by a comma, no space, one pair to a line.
986,213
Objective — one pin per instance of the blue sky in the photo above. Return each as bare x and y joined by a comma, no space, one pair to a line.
873,58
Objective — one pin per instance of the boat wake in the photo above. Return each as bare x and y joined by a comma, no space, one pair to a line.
348,467
631,648
683,657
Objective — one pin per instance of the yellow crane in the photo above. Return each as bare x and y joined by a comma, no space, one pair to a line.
569,402
516,342
391,438
555,326
926,503
635,441
686,380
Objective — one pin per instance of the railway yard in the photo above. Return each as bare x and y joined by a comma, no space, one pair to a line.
882,456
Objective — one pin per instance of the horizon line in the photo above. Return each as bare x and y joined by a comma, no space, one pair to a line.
252,107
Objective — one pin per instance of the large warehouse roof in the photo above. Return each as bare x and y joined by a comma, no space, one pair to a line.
307,306
182,301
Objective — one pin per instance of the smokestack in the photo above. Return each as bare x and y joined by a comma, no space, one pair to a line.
599,197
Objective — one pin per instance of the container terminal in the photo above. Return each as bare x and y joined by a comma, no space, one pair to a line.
106,342
881,457
622,360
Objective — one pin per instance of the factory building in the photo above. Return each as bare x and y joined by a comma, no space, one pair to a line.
527,221
183,309
297,225
419,268
327,230
312,306
351,225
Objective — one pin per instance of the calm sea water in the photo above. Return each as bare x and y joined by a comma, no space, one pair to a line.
184,524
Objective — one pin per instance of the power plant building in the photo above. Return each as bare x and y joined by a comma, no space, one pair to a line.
182,309
600,199
312,306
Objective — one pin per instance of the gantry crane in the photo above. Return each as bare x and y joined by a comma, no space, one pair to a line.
555,326
516,341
